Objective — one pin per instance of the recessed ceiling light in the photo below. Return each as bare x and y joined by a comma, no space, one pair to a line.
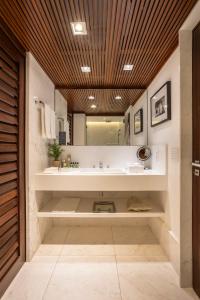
128,67
91,97
85,69
93,106
118,98
79,28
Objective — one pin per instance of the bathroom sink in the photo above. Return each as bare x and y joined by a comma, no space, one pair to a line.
54,170
102,171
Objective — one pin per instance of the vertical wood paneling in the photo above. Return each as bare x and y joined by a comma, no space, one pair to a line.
12,201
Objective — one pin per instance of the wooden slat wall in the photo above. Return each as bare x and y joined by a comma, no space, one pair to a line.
12,213
139,32
9,222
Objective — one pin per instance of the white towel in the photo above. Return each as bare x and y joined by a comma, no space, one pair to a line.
138,205
47,120
43,131
67,132
53,124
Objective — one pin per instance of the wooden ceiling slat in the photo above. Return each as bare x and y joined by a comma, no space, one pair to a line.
147,39
140,32
26,38
34,15
167,39
128,57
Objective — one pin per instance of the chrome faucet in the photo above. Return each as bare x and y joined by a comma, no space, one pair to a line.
101,165
60,166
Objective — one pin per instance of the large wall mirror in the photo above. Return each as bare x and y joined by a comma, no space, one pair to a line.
106,117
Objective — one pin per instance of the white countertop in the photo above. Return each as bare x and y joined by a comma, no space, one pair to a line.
88,179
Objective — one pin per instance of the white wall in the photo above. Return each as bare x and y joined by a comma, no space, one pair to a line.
169,133
37,85
115,156
140,138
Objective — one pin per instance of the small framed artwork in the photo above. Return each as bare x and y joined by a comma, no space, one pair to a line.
138,121
161,105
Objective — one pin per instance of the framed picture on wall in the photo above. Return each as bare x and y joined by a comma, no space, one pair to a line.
160,104
138,121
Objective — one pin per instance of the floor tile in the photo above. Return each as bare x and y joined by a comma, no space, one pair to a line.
149,281
136,241
89,241
31,281
78,278
53,242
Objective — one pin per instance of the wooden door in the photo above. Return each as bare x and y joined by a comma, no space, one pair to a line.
196,160
12,144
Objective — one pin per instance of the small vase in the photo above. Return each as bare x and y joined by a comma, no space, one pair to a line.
56,163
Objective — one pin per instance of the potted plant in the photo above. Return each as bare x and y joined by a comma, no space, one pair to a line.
55,150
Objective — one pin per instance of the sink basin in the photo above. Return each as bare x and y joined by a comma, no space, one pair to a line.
102,171
54,170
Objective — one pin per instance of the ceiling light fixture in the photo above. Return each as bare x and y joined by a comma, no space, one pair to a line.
85,69
91,97
128,67
93,106
118,98
79,28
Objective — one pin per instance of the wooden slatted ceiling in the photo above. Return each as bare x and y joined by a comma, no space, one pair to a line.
104,100
139,32
9,222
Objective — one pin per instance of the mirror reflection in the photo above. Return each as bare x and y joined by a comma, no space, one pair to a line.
105,130
102,117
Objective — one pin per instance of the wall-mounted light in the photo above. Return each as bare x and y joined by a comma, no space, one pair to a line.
85,69
128,67
78,28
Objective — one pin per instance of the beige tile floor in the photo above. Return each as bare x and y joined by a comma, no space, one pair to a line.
98,263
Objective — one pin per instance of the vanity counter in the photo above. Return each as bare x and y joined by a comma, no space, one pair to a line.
110,180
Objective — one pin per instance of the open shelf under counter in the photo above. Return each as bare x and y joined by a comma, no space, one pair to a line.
76,208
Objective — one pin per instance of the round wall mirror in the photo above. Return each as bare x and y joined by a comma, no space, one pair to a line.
143,153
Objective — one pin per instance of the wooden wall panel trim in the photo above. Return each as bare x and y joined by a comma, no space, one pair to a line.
8,196
8,138
8,234
8,128
9,186
8,118
5,258
8,147
5,218
12,144
7,157
8,99
8,225
8,264
8,109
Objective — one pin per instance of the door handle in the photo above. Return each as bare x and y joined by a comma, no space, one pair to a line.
196,164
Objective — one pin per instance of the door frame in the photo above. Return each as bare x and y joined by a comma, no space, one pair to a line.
9,40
